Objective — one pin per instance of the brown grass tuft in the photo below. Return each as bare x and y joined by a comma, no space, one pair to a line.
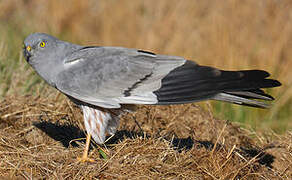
39,140
231,35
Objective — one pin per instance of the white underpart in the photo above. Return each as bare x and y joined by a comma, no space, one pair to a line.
98,123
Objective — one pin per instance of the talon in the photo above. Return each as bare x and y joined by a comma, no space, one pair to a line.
85,159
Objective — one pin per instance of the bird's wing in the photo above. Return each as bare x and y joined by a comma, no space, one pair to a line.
192,82
110,76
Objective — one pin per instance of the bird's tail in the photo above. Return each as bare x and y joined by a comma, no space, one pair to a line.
192,82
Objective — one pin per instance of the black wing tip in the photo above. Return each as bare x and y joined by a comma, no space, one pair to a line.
277,83
261,73
265,73
192,82
271,83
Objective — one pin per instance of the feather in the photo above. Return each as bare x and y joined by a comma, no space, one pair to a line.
192,82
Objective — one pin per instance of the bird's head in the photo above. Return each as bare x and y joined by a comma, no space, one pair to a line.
46,53
39,47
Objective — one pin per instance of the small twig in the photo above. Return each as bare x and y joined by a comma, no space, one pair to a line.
17,168
109,138
11,114
217,140
248,163
137,123
25,130
77,139
112,157
228,157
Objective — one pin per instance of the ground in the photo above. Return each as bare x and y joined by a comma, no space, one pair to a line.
41,137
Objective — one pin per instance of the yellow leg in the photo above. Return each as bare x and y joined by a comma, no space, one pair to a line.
84,157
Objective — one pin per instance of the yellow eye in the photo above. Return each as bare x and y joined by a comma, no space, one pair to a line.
28,48
42,44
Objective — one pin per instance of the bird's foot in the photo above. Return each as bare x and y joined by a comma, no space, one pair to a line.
85,159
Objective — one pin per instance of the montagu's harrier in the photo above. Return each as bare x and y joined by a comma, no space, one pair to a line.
102,80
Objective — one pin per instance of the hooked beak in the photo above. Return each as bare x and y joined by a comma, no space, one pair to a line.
26,52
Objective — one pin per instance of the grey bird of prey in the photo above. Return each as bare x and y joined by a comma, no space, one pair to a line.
104,80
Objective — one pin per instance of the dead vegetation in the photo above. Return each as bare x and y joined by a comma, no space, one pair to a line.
41,138
231,35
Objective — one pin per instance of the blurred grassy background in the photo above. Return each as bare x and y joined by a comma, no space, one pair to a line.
227,34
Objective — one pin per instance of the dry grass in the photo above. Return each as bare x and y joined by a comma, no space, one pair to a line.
38,140
37,131
230,35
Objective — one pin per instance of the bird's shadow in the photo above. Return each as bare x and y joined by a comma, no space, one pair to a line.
64,133
67,135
